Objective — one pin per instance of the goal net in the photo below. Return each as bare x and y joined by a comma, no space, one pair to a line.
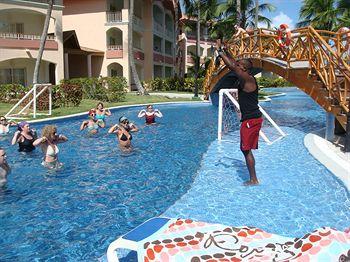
230,115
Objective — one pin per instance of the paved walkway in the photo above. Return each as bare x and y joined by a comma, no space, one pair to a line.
175,95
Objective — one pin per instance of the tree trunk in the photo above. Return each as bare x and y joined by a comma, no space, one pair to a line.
198,49
42,42
238,12
133,74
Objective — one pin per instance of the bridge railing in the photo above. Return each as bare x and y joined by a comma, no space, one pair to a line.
327,53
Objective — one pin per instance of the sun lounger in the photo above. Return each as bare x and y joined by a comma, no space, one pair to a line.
164,239
134,238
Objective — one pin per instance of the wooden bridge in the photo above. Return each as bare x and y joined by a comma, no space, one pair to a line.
316,61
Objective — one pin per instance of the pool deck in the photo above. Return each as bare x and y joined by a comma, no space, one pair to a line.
329,155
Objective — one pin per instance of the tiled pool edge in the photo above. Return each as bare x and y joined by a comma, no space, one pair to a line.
321,149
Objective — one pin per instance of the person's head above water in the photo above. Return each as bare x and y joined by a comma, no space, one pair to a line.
149,108
92,113
50,132
23,126
123,120
3,120
100,106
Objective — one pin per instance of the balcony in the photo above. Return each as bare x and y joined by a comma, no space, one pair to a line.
169,60
138,55
22,41
114,17
114,51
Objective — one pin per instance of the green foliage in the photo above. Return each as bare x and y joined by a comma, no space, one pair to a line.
173,84
272,82
106,89
116,88
325,14
92,87
12,92
57,99
72,94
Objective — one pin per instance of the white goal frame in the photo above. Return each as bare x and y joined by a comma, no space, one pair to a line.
227,92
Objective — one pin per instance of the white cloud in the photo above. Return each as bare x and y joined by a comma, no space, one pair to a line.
282,18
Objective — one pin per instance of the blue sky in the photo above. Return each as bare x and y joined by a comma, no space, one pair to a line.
287,11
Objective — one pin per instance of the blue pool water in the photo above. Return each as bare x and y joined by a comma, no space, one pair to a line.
176,169
297,194
101,193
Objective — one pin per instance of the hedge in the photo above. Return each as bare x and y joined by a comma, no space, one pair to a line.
272,82
106,89
70,92
173,84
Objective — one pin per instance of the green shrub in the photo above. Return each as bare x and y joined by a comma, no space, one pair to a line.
115,88
99,88
72,94
173,84
272,82
57,99
10,93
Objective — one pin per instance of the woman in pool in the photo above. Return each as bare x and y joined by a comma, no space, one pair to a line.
123,130
150,114
25,137
5,125
101,114
4,167
92,124
48,142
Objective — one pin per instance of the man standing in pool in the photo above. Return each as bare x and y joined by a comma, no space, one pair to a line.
251,120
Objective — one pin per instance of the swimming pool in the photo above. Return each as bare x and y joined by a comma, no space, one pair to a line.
102,193
297,194
73,214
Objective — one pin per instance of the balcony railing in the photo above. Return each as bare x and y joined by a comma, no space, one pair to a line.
114,47
114,16
114,51
22,41
23,36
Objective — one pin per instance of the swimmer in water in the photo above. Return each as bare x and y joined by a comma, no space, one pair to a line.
150,114
25,137
5,125
48,142
101,114
123,130
92,124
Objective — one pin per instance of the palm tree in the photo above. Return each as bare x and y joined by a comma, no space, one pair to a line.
133,74
321,14
344,7
42,41
204,11
228,10
238,11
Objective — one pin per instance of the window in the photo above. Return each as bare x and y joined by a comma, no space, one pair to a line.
13,76
16,28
